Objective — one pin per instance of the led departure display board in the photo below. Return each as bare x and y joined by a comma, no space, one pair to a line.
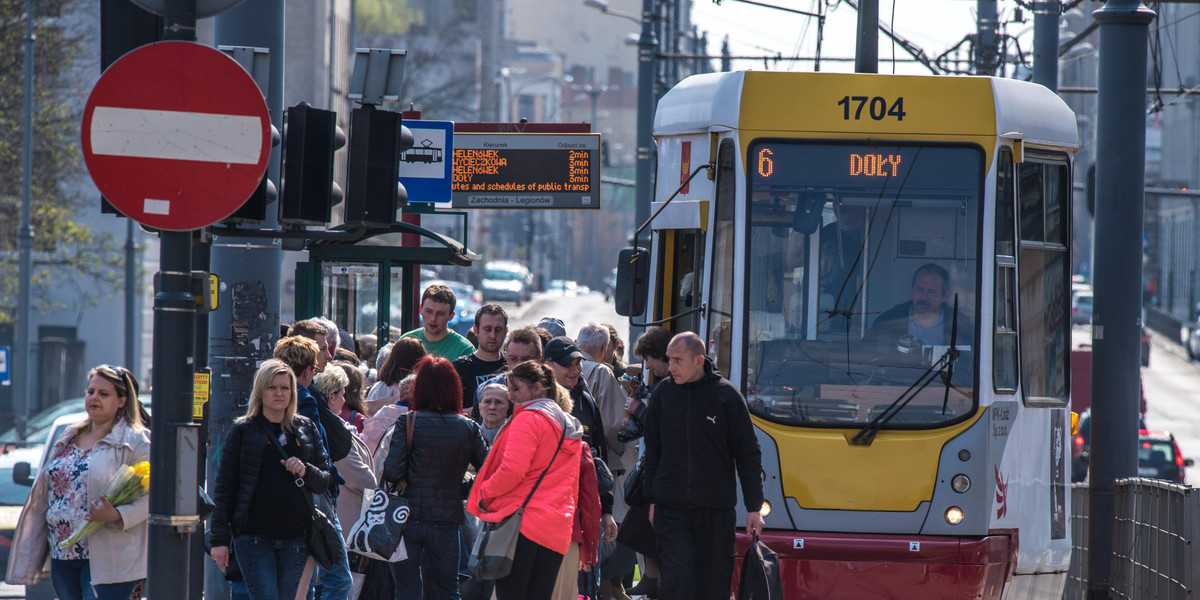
526,170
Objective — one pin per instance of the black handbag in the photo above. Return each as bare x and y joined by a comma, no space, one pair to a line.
634,484
325,546
604,476
760,578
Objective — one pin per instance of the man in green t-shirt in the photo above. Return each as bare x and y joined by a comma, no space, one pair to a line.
437,306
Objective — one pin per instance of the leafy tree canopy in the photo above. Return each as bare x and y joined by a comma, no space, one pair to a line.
67,255
385,16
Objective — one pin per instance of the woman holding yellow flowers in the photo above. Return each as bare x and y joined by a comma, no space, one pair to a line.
94,465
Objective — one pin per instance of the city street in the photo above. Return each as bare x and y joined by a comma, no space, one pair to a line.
575,310
1172,384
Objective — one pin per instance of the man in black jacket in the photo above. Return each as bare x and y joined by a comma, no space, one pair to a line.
698,434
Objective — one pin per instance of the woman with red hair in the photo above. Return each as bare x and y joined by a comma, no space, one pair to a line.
444,443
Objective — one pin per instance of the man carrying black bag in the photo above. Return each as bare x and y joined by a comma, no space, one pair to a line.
698,432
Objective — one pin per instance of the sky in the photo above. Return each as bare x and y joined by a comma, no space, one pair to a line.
933,25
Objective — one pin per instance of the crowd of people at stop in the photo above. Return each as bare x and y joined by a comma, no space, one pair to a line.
468,431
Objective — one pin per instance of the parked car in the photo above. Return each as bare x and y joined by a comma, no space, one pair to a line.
21,472
1081,308
13,492
1193,341
505,280
563,287
1159,457
35,429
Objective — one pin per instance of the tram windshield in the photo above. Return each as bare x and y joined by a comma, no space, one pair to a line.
862,282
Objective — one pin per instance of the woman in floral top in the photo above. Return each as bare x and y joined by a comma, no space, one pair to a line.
108,564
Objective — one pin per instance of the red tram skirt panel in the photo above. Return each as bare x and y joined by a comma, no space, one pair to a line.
834,566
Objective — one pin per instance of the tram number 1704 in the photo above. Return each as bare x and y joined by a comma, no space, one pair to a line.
878,107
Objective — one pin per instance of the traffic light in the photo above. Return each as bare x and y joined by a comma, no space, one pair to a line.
310,138
377,139
124,27
254,210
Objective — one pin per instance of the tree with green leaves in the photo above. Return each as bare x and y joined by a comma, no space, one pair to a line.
68,256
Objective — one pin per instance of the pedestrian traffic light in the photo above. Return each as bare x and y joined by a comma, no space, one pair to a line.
310,138
255,208
377,139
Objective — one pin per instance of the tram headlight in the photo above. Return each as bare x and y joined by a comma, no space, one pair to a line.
954,515
765,510
961,483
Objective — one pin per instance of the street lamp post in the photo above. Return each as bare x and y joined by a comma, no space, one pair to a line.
647,65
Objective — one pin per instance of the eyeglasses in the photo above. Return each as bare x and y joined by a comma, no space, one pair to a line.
519,359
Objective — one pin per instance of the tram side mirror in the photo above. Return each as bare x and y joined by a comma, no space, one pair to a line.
808,214
633,274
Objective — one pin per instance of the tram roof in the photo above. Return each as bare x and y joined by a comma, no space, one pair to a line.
714,101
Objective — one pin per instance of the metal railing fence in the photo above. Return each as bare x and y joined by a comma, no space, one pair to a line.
1156,541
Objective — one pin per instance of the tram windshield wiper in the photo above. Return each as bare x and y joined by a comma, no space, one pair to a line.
943,366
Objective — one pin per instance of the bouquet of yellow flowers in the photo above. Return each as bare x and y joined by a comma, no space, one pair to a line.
126,486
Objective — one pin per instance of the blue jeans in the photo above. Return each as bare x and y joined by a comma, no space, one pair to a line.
72,580
270,568
335,583
437,541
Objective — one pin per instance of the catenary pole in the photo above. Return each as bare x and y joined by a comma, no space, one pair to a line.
1116,319
987,30
174,335
1045,43
23,357
243,330
866,55
647,101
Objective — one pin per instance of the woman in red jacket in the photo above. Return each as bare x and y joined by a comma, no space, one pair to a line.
539,438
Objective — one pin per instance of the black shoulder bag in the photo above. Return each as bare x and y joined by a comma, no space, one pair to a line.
324,543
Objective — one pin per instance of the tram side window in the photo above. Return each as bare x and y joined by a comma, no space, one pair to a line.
1043,283
1004,340
686,248
720,312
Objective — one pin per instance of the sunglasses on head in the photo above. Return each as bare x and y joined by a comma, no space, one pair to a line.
121,372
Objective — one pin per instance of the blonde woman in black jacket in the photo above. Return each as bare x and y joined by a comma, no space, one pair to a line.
261,509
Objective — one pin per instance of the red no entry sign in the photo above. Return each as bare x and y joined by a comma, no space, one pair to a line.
176,135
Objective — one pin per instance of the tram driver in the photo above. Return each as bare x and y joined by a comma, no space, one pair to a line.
926,320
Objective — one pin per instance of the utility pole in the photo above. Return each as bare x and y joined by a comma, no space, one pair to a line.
1045,43
23,357
866,56
986,38
243,330
647,104
171,422
1116,320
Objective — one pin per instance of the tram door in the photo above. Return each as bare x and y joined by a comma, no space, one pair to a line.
682,257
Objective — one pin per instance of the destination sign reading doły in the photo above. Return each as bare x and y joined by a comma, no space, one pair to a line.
526,170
